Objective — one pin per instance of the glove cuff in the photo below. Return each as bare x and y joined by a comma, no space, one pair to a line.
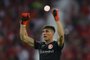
24,22
56,18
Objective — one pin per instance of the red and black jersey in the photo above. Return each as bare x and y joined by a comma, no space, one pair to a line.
49,51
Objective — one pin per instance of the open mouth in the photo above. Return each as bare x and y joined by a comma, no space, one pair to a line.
45,36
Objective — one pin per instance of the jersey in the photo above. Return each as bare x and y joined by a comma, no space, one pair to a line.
49,51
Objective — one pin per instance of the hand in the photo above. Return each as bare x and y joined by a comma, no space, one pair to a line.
56,14
25,16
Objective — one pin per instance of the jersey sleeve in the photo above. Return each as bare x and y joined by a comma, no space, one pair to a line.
61,47
36,45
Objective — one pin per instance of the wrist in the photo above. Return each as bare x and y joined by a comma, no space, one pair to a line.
23,26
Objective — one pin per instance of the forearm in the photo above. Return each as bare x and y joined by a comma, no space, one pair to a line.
23,31
24,36
60,31
59,28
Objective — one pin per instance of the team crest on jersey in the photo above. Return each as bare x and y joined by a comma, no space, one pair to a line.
50,46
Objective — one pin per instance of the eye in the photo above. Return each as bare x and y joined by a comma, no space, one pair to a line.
47,31
42,31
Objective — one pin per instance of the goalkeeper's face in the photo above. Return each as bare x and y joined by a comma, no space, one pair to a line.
47,34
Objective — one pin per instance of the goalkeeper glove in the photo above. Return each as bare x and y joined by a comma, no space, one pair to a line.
24,18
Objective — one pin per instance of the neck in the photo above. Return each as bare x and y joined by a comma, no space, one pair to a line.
48,41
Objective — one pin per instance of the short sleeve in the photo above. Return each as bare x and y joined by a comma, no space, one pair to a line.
36,45
61,47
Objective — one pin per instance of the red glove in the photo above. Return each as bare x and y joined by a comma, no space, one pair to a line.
24,18
55,14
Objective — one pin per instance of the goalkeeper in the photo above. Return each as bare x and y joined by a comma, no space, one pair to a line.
49,49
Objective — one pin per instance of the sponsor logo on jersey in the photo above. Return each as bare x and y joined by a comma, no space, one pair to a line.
46,51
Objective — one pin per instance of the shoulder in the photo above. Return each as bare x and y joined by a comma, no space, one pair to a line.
39,42
55,43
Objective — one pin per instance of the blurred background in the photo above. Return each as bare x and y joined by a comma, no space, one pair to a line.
75,18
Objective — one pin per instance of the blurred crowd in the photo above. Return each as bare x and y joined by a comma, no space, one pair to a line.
77,28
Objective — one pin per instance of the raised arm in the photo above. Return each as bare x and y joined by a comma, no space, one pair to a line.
23,32
59,27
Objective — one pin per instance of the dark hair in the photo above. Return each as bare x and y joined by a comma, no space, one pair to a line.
49,27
